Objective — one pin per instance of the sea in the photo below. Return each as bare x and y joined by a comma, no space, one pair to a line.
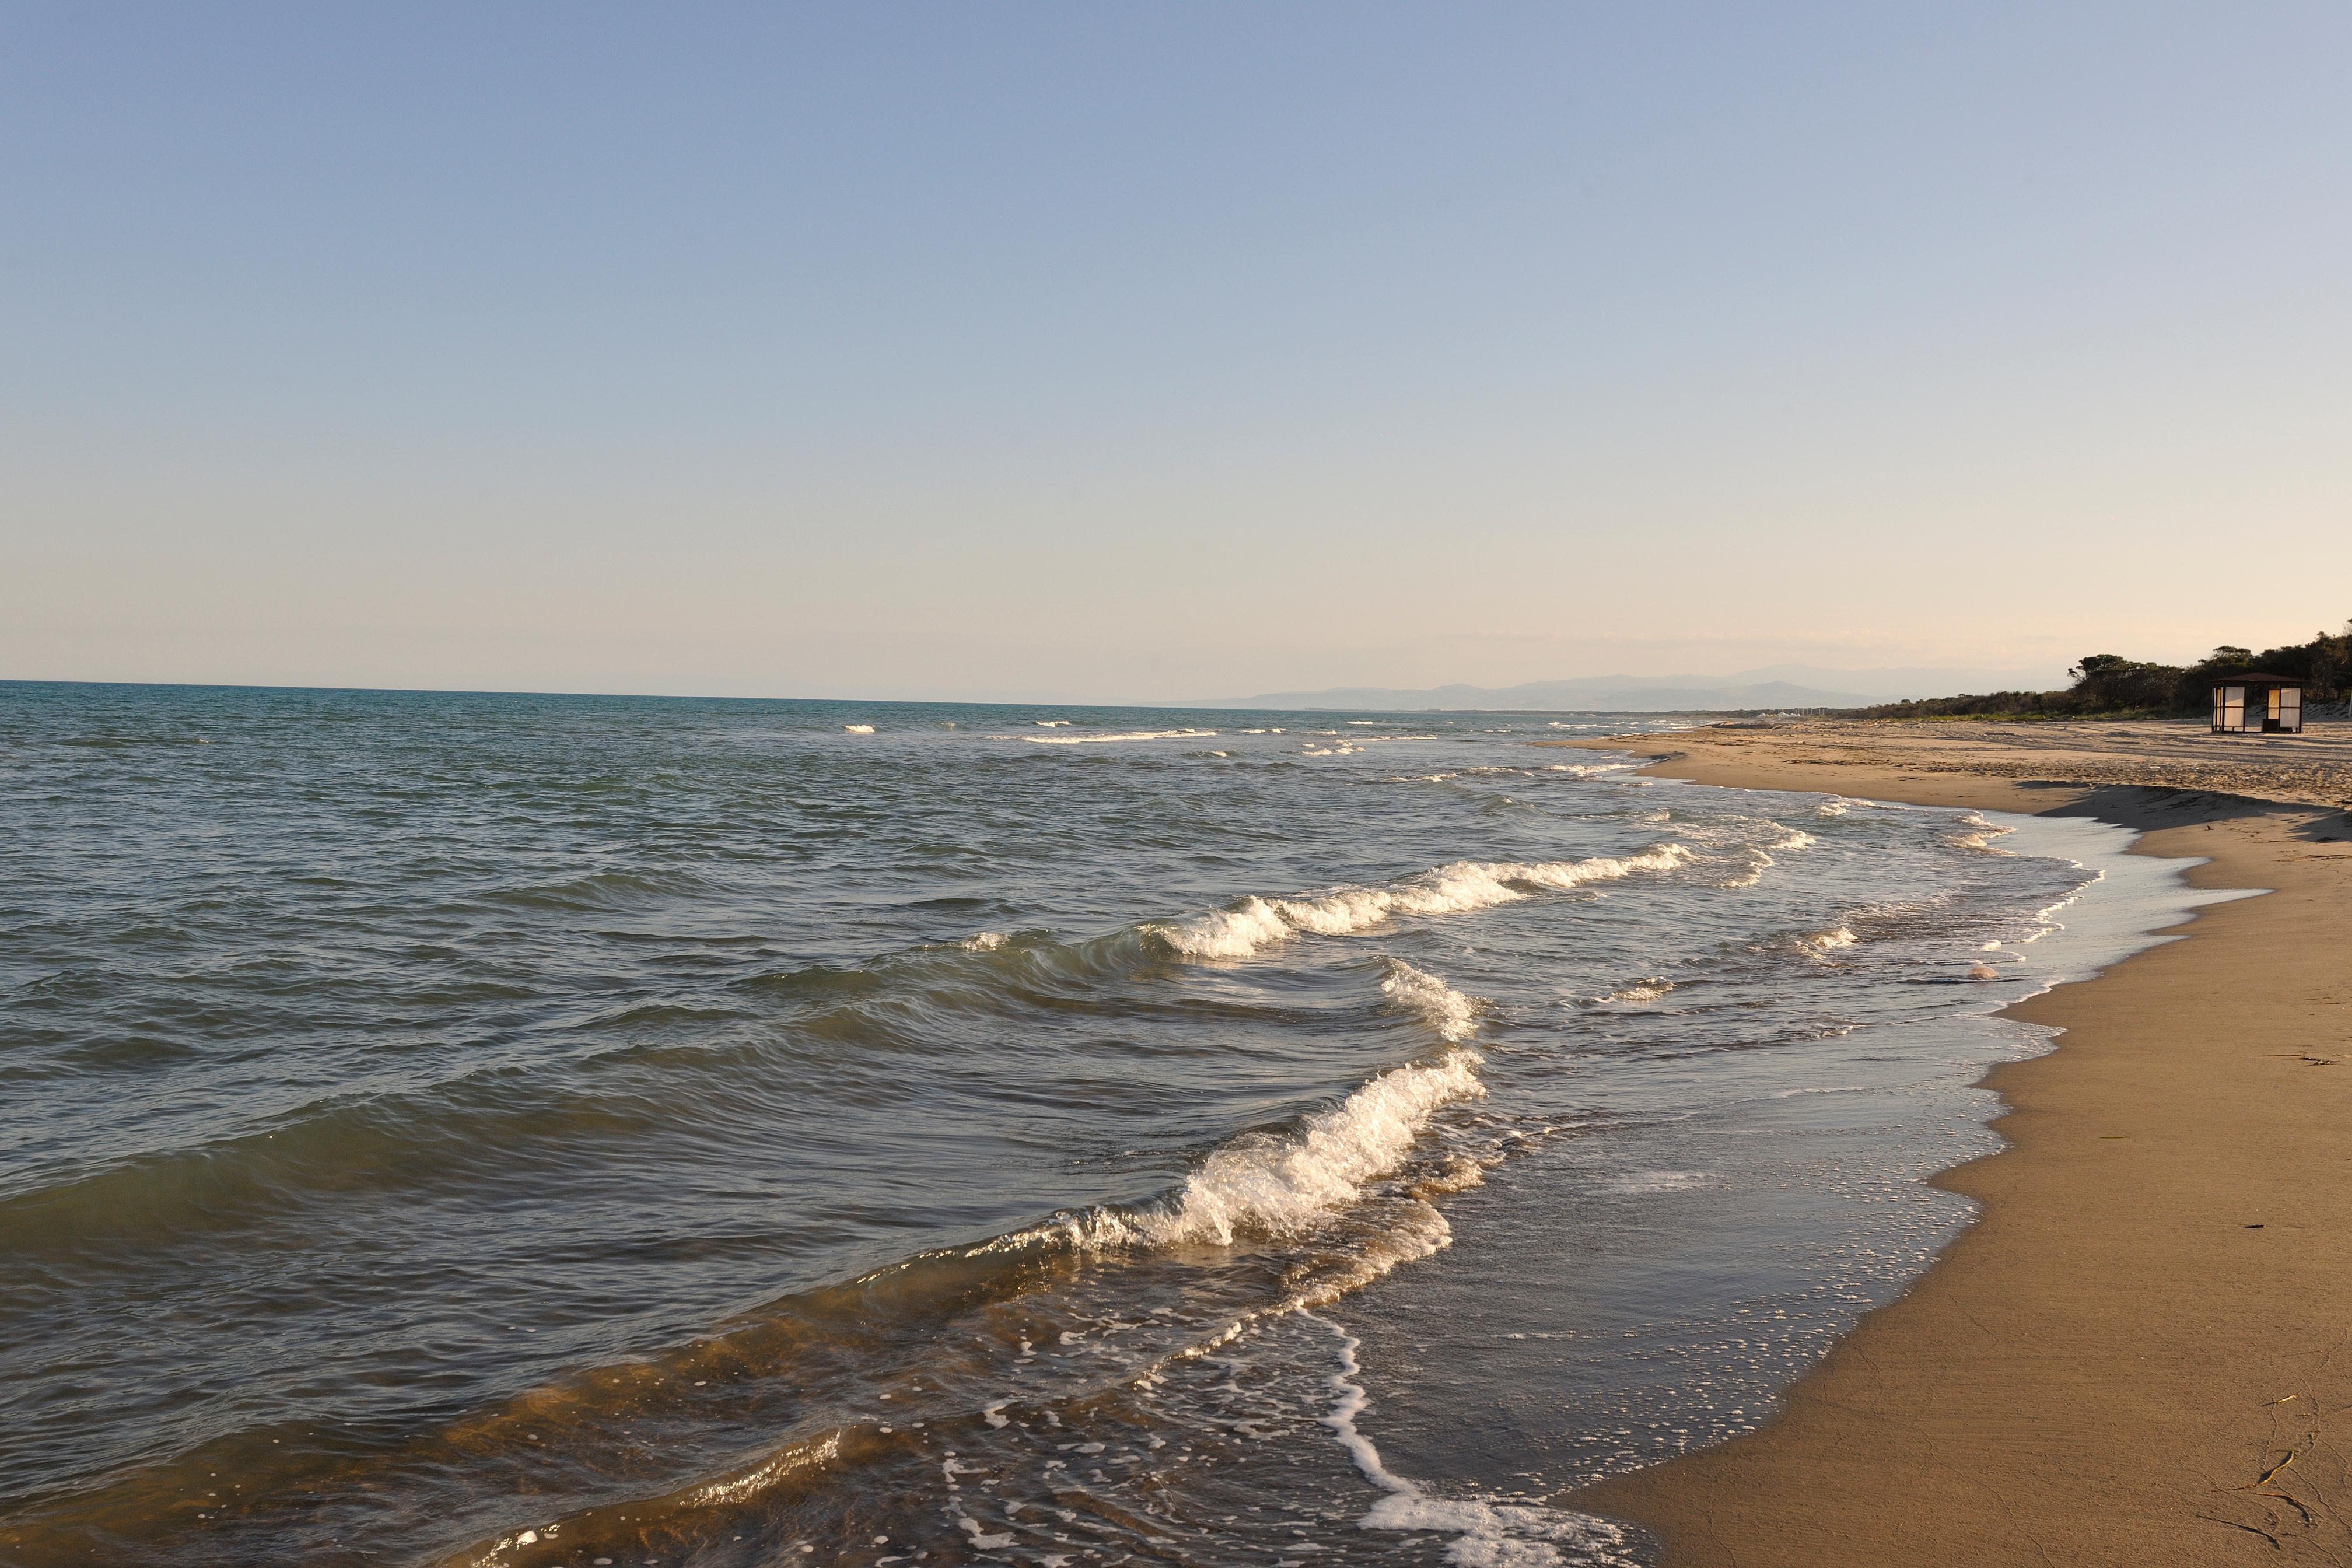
510,1130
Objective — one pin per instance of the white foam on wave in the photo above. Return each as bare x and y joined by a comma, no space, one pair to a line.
1827,941
858,729
1485,1535
1645,990
1984,833
1454,1015
1464,885
1282,1183
983,941
1130,735
2045,920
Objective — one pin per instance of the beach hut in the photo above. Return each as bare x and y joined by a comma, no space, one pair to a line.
2254,703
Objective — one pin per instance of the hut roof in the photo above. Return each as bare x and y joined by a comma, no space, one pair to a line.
2256,678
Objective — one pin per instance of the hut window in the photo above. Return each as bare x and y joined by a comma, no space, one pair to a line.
2290,708
2233,708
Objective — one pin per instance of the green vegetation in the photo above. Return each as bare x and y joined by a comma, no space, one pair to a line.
2109,685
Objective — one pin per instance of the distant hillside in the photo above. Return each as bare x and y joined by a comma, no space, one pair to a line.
2107,685
1785,686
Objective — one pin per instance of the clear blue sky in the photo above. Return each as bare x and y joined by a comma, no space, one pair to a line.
1108,351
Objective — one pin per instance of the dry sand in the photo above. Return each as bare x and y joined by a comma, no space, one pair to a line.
2141,1352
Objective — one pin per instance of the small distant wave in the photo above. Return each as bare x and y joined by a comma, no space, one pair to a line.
113,742
858,729
1257,922
1822,941
1646,990
1454,1015
1049,723
609,890
1981,835
1128,735
1659,1181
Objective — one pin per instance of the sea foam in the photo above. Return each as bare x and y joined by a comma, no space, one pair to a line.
1485,1535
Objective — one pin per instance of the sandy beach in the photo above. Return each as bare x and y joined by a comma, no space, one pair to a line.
2141,1352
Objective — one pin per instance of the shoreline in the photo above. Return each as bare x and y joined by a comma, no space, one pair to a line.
2134,1352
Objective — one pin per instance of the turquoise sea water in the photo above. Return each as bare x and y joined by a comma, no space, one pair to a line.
503,1128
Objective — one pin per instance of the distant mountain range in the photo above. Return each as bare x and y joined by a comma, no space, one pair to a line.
1779,686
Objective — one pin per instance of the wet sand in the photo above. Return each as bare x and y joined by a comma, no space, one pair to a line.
2141,1352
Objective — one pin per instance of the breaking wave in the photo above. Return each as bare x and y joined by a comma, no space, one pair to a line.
1130,735
1281,1182
1258,922
1981,835
1454,1015
1646,990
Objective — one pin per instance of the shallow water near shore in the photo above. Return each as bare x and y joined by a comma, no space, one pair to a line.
473,1129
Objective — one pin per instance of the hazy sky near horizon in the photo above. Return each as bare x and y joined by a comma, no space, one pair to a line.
1061,350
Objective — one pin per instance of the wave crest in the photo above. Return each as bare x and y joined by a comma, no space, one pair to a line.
1132,735
1454,1015
1257,922
1280,1183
